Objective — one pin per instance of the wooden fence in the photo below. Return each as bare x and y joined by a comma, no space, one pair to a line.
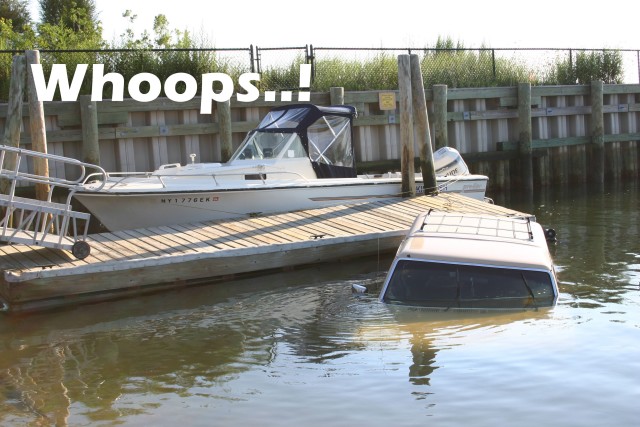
574,130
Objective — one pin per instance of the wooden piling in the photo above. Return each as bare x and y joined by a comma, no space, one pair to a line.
422,133
37,126
224,121
407,167
440,131
597,133
14,115
524,139
336,95
89,119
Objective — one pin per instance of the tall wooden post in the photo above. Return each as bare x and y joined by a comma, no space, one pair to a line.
224,123
37,126
89,118
524,136
407,167
337,95
597,133
14,115
422,135
440,131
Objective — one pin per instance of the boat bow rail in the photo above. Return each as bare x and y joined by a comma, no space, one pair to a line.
42,222
166,175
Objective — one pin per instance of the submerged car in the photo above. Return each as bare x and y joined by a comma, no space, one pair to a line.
470,261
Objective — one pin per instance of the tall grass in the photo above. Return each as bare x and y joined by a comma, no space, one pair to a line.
379,72
605,65
165,53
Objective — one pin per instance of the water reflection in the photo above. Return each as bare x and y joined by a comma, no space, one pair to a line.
430,331
300,344
119,360
595,239
196,339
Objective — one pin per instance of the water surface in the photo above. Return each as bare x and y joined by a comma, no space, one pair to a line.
298,348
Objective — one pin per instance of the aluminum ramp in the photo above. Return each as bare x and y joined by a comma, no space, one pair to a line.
37,222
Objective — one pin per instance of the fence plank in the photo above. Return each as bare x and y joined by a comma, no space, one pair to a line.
524,138
90,134
441,134
159,150
191,142
481,125
225,130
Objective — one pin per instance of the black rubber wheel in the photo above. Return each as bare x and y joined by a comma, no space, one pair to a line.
81,249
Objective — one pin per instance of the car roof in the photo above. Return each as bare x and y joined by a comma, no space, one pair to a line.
517,242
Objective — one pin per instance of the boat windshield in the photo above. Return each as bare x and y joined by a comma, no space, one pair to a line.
443,285
330,141
270,145
283,119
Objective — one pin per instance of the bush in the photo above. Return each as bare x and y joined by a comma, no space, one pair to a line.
605,65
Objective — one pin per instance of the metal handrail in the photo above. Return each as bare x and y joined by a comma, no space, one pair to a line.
42,222
15,173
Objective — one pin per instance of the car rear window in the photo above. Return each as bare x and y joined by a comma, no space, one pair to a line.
433,284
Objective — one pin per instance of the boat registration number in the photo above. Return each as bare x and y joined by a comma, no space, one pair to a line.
187,200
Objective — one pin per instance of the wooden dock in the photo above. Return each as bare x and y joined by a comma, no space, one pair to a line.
134,262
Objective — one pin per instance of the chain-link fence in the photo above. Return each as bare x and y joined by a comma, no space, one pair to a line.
376,68
357,68
128,62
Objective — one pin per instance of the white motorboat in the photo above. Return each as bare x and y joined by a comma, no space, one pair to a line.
299,157
453,261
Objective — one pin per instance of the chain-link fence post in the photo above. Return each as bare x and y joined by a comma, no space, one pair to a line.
310,59
258,65
251,59
493,63
571,69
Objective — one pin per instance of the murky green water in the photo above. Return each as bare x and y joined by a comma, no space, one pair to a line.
298,348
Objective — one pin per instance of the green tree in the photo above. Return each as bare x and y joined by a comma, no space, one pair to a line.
78,15
69,24
16,11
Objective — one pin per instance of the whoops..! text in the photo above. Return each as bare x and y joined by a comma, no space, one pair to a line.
69,91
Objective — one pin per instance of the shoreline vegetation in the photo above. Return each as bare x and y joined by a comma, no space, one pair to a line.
165,52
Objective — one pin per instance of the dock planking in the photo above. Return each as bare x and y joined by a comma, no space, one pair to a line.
133,262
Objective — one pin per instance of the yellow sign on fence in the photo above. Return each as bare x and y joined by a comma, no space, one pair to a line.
387,100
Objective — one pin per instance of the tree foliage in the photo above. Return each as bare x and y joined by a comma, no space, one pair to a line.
78,15
16,11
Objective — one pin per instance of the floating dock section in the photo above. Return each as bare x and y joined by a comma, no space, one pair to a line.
134,262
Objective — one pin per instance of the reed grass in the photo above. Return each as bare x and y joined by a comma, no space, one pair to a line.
446,63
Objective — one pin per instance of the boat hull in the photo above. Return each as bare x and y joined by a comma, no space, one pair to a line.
140,209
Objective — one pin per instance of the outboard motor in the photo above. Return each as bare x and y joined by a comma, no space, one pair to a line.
447,161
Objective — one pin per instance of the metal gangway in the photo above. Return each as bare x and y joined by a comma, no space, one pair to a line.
37,222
